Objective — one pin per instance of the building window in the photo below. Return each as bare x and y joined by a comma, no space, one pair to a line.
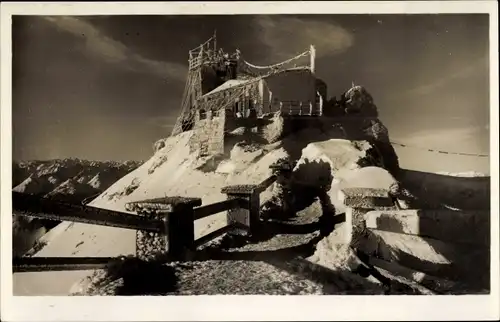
203,114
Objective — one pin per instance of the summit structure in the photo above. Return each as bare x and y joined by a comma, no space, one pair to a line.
224,85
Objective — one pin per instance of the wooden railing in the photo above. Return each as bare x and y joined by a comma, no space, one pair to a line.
170,219
45,208
41,264
203,52
299,108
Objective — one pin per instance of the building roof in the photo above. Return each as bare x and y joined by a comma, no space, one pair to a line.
241,81
229,84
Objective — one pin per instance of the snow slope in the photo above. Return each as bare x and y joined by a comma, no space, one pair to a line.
174,171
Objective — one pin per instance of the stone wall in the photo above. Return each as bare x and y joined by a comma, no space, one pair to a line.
216,133
208,136
445,251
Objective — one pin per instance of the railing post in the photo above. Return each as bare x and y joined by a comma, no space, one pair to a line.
178,236
179,228
249,214
320,105
149,245
284,171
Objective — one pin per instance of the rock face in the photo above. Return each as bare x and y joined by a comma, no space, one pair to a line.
358,100
273,131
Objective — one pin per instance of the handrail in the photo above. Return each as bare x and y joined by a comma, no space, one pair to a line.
214,208
216,233
305,53
268,182
32,206
41,264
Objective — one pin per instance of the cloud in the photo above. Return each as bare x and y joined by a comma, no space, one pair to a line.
288,36
112,51
466,72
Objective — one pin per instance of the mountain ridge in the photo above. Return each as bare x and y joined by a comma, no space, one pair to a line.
67,179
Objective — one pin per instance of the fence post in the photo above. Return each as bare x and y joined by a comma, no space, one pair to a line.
179,226
300,106
310,108
148,245
249,213
284,171
177,239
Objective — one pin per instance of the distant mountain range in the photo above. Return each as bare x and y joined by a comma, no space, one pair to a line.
72,180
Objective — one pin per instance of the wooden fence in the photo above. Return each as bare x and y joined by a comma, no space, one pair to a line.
170,217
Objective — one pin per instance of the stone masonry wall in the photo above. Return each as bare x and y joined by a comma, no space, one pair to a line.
208,134
216,133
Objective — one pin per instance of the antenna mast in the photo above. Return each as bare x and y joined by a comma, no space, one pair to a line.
215,41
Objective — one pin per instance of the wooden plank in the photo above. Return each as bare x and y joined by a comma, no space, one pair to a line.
266,183
31,206
215,208
42,264
208,237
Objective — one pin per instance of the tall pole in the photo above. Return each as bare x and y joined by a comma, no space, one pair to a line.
313,58
215,41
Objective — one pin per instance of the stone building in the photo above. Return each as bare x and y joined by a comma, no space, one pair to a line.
223,89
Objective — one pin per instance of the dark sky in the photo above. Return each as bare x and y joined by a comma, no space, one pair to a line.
107,87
